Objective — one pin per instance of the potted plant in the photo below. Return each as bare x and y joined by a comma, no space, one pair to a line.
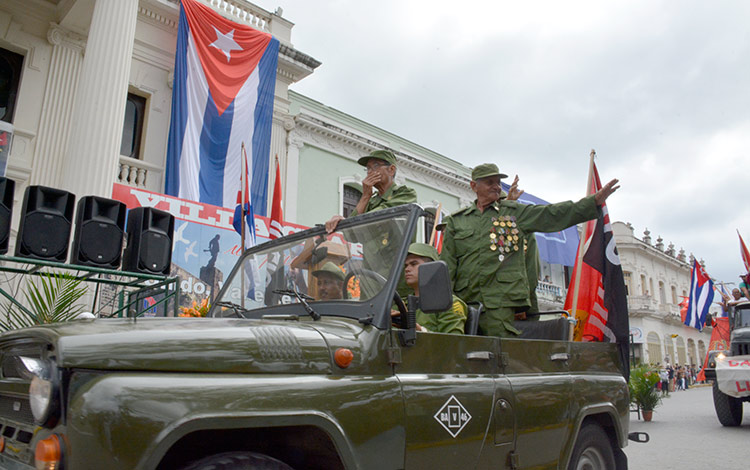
642,386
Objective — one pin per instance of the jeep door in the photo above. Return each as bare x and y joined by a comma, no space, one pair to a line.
448,384
539,375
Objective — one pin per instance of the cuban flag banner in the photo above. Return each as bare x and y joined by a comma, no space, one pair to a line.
222,96
701,296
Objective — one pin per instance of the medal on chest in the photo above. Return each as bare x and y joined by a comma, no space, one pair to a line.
504,236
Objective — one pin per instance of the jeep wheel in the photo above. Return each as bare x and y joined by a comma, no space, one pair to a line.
728,409
238,461
593,450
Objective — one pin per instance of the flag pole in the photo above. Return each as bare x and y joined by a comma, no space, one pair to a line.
581,245
243,182
435,224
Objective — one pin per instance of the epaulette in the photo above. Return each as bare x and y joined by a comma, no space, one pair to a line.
461,211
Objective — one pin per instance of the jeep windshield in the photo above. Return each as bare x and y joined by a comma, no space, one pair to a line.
351,272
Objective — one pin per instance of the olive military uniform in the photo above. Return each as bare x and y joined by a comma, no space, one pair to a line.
451,321
485,257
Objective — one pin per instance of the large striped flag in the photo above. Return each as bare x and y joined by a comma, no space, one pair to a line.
745,254
701,296
223,90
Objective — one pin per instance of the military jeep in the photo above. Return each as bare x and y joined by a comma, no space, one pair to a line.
278,378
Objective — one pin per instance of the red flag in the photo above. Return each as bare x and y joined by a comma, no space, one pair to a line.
745,253
276,229
601,304
719,342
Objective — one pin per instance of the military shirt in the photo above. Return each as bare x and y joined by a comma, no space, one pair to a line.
451,321
394,196
484,250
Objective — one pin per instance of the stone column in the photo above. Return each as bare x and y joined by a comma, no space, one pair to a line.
291,185
92,155
57,105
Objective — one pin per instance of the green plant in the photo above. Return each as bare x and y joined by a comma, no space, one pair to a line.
50,300
642,387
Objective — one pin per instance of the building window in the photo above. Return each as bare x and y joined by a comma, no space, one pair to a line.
352,194
644,289
626,275
11,65
132,127
662,293
674,295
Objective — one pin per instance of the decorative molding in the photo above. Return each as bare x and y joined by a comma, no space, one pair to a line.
156,19
28,43
352,145
61,36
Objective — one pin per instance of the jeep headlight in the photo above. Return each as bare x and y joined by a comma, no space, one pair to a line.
43,391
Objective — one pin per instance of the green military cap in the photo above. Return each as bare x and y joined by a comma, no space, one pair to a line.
330,268
484,170
424,250
385,155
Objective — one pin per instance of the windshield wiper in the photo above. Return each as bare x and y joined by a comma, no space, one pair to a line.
236,308
303,298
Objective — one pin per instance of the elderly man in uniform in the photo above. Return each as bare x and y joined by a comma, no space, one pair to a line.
450,321
330,281
380,166
482,244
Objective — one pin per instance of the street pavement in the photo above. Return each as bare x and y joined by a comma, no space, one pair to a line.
685,435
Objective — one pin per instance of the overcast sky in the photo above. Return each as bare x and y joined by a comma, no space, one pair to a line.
661,90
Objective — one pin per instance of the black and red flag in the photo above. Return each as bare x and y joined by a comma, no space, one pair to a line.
596,295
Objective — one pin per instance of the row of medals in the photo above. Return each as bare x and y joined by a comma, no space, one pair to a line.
503,236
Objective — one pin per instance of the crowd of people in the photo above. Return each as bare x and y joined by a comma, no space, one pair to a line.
676,378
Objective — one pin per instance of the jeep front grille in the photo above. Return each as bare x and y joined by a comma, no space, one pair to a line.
740,349
16,409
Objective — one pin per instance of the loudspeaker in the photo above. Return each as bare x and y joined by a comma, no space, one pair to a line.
149,248
100,227
46,217
7,189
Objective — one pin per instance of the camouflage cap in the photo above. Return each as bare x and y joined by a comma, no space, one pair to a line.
330,269
424,250
484,170
385,155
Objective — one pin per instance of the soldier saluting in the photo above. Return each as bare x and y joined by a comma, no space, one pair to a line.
483,246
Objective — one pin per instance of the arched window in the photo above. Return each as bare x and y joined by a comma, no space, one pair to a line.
681,356
674,296
654,348
669,355
644,289
352,194
628,282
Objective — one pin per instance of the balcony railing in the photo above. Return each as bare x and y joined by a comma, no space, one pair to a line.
137,173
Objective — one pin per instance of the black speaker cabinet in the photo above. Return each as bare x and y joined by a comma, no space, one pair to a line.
149,248
46,217
7,189
100,227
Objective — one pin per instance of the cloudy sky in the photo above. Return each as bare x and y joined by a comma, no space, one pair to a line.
661,90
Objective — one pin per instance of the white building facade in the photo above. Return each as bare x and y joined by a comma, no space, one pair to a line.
657,279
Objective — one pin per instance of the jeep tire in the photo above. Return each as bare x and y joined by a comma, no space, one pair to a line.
728,409
238,461
593,450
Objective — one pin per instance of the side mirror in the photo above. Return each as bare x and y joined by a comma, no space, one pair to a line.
435,293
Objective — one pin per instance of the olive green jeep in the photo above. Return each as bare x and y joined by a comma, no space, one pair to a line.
280,377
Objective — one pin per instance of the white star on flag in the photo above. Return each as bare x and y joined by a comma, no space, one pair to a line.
225,43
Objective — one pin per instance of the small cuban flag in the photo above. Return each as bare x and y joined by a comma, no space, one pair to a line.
701,296
222,96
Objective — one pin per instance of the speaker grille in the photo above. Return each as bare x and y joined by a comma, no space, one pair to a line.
155,251
41,236
100,242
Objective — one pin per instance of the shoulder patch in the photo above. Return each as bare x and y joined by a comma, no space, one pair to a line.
459,308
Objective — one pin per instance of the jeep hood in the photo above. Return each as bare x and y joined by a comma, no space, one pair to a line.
189,345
